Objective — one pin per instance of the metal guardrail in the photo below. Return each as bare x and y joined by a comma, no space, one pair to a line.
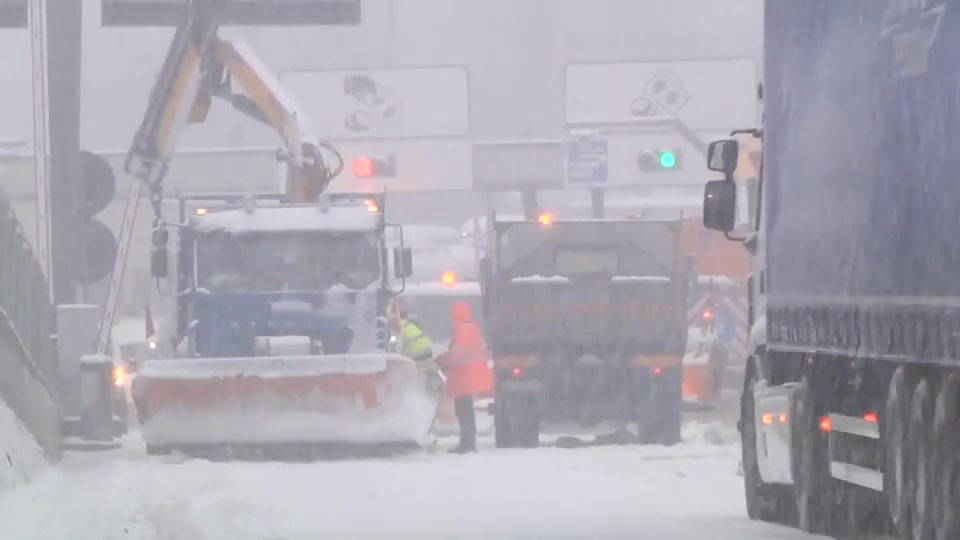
28,361
24,293
27,392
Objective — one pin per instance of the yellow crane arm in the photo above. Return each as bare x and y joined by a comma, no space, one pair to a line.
201,66
265,99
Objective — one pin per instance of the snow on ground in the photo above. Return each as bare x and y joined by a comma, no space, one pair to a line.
20,455
689,491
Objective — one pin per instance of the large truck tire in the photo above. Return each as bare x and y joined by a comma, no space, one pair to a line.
860,513
920,438
154,450
765,502
659,417
896,479
516,421
946,500
672,408
810,462
122,413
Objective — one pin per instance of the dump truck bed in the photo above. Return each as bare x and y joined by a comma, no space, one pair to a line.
642,315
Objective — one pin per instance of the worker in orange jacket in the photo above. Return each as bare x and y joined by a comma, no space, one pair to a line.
468,373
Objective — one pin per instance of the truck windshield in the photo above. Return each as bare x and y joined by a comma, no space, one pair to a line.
278,261
573,249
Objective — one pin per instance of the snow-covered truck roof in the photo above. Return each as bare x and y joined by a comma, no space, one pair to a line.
266,219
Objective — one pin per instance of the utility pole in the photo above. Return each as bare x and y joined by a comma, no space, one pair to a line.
41,170
64,27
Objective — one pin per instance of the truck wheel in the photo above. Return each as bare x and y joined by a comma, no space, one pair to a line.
919,437
516,422
718,368
896,458
672,408
765,502
659,417
122,413
859,511
946,512
154,450
810,463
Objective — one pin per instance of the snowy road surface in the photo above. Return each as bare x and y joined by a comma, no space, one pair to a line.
687,492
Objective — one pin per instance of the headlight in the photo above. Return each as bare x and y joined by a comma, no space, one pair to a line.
119,375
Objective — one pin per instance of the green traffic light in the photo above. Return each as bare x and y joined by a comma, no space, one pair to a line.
668,160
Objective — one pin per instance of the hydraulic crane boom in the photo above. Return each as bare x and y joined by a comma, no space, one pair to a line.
200,66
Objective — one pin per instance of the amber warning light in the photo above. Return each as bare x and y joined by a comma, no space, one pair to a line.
448,278
545,219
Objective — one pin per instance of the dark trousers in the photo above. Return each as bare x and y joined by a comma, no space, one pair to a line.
467,418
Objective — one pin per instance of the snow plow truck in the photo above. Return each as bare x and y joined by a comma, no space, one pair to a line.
283,335
283,339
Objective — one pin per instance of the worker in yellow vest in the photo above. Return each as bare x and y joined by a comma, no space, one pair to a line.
414,344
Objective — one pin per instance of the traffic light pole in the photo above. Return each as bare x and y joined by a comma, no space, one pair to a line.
64,26
41,176
598,203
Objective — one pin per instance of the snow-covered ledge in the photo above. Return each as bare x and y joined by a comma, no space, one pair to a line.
21,457
29,413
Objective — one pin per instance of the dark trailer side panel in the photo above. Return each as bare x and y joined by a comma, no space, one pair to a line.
862,174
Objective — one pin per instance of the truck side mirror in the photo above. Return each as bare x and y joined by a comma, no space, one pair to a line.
159,255
720,205
722,156
402,262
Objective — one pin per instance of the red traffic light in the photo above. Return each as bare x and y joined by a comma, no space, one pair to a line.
363,166
375,167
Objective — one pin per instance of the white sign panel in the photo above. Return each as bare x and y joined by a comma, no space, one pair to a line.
518,164
384,103
705,94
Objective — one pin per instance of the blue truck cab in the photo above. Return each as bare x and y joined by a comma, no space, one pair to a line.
851,394
251,267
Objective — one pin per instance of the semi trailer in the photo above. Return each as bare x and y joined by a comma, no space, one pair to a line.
851,395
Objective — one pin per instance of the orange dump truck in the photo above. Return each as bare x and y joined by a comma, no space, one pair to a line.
717,311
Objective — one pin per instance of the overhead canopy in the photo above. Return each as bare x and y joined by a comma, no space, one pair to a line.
13,13
235,12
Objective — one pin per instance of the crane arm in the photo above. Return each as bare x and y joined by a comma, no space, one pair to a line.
265,99
198,67
201,66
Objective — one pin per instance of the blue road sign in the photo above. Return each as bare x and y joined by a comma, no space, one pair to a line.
587,157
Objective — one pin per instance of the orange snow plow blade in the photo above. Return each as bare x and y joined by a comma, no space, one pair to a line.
375,399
